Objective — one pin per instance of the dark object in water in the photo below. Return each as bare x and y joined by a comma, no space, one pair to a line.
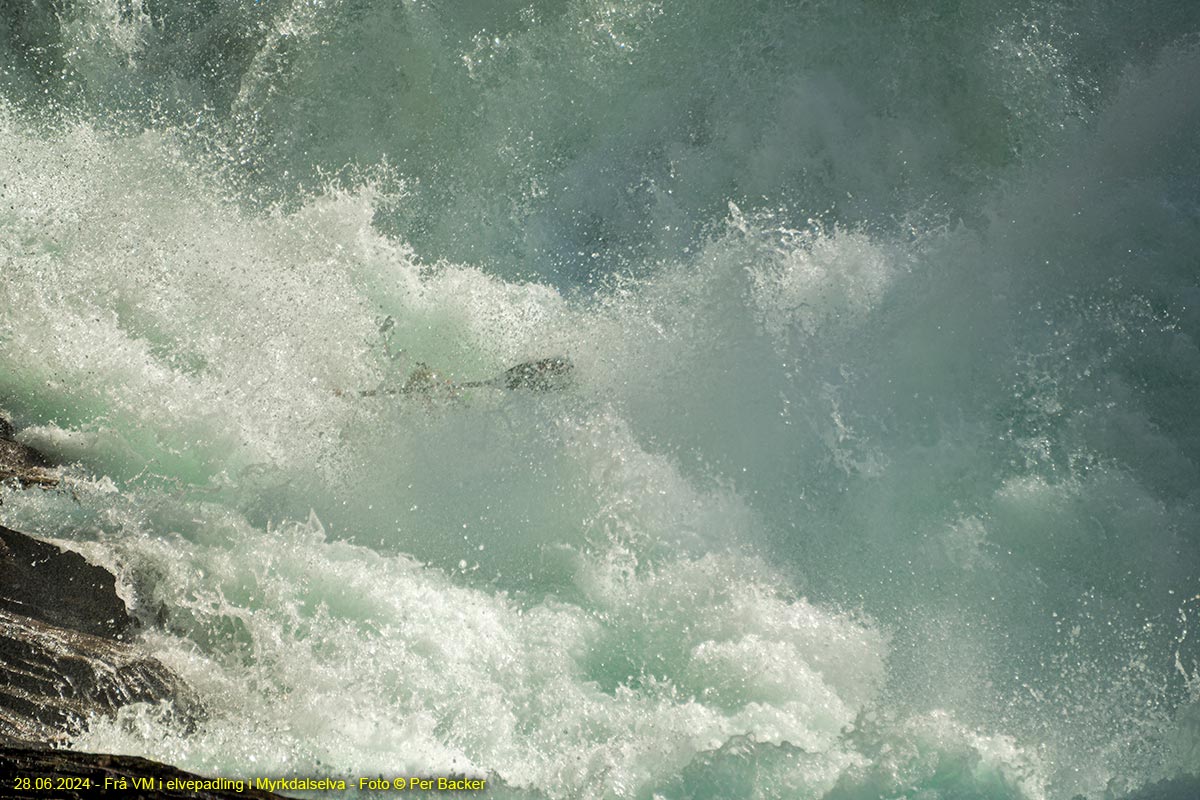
542,375
20,462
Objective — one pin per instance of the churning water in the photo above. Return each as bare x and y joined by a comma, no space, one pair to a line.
880,473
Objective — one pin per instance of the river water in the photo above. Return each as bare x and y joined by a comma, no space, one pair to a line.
879,473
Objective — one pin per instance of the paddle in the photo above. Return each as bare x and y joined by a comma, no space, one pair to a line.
542,375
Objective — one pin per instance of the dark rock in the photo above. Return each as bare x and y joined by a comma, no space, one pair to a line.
58,587
19,455
54,678
66,772
63,649
22,463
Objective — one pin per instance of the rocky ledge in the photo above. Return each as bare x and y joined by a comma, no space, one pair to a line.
67,655
21,464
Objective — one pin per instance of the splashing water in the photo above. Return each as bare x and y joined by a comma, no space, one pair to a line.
879,474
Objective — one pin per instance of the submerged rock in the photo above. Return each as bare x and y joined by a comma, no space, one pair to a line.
75,776
64,649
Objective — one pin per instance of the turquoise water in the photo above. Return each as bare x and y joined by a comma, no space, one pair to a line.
880,473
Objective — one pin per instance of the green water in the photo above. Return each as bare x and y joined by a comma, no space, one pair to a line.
879,474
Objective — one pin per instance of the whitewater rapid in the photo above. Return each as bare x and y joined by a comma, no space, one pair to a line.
880,469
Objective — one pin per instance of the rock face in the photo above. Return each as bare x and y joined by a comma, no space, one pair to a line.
76,776
64,649
66,655
55,678
59,588
20,463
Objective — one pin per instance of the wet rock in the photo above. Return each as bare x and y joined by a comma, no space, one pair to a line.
52,679
58,587
66,656
65,653
75,776
21,463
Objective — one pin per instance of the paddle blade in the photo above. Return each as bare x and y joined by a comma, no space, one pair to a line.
542,375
